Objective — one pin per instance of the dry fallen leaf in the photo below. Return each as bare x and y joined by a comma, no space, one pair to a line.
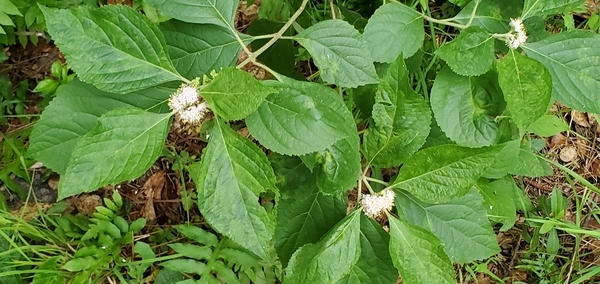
580,118
595,168
148,210
154,185
568,153
558,140
86,204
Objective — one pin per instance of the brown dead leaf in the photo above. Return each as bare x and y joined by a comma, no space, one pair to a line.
154,185
119,2
53,182
595,168
558,140
582,147
86,204
148,210
31,210
518,275
580,118
568,153
484,279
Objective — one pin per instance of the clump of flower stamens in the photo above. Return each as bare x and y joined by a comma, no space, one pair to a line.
185,102
374,205
518,35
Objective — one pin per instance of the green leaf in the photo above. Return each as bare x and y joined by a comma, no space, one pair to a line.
79,264
461,224
499,201
339,52
168,276
440,173
462,107
470,54
192,251
530,165
401,120
339,165
115,48
527,87
123,146
548,7
394,29
48,278
188,266
300,118
197,49
3,56
375,265
548,125
331,258
5,20
198,234
506,160
418,254
304,214
9,8
491,15
281,55
232,174
54,137
574,63
234,101
215,12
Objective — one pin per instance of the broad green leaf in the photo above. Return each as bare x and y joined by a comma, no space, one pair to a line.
574,63
498,196
436,136
339,52
79,264
462,107
491,15
401,120
188,266
548,7
3,57
9,8
217,12
197,49
192,251
339,164
548,125
530,165
304,214
115,48
418,255
331,258
74,112
281,55
470,54
123,146
299,118
234,94
43,277
461,224
394,29
168,276
375,265
527,87
506,160
198,234
444,172
233,172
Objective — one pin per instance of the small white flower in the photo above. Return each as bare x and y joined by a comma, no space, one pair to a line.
184,97
375,205
194,114
518,35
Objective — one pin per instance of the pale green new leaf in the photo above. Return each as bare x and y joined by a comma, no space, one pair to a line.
304,214
401,120
234,94
233,172
74,112
574,63
375,265
527,87
418,255
299,118
217,12
548,125
499,200
461,224
444,172
197,49
491,15
470,54
394,29
123,146
461,106
548,7
331,258
339,52
115,48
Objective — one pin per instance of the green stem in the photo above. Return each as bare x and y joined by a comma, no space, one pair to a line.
376,180
278,76
252,56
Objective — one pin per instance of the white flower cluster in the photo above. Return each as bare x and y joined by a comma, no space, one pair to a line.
374,205
518,36
186,103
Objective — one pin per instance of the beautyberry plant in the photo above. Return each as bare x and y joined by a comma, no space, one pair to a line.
455,145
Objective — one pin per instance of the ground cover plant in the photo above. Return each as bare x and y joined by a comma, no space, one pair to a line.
393,158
